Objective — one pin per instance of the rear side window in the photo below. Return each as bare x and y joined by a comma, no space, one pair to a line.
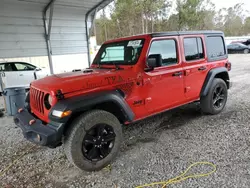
193,49
215,47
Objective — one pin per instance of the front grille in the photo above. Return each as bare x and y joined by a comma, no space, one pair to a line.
37,100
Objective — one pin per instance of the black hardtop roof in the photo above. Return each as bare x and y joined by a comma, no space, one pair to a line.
178,33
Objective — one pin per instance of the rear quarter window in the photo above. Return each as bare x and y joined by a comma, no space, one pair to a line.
216,47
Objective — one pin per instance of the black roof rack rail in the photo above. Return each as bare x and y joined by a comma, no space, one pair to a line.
178,33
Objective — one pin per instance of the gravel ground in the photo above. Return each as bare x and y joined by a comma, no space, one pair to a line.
155,149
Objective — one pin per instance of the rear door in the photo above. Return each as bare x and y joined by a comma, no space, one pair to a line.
194,65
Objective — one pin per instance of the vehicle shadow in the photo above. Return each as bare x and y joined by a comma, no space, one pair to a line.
150,129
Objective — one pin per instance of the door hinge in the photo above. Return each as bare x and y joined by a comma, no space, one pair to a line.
147,100
187,89
187,72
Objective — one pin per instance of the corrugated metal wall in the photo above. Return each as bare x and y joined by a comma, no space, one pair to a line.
68,34
22,30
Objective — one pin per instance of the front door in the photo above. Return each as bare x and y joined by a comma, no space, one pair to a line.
164,86
194,65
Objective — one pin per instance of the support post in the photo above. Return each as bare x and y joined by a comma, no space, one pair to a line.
47,30
87,28
50,20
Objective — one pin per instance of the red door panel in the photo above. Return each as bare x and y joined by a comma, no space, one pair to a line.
165,89
194,77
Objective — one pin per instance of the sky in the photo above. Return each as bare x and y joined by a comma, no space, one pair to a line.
229,3
219,4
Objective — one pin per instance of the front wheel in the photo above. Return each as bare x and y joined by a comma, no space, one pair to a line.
216,98
93,140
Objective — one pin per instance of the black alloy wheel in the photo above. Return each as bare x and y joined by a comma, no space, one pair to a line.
93,140
215,100
98,142
219,97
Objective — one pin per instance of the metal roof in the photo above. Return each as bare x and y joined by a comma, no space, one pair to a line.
85,5
46,27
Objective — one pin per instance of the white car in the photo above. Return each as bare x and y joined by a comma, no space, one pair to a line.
19,74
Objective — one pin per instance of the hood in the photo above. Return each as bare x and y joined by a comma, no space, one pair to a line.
83,80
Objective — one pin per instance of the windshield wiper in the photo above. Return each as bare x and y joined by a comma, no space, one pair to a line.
117,67
99,64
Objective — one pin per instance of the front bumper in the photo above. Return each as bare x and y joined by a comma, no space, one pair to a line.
45,135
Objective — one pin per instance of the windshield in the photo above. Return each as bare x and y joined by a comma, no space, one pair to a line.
120,53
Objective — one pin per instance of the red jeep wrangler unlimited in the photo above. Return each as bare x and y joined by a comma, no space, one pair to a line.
130,79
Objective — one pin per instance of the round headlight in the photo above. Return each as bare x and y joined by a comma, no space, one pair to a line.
48,101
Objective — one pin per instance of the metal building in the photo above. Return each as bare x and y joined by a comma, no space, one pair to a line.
46,27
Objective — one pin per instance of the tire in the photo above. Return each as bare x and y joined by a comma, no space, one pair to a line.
74,140
246,51
208,105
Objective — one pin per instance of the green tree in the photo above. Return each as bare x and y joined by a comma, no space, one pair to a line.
132,17
247,26
233,25
195,14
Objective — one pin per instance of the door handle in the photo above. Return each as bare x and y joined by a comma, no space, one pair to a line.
202,68
20,74
177,74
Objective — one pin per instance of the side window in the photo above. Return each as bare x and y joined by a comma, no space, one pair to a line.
216,47
8,67
24,67
193,49
167,49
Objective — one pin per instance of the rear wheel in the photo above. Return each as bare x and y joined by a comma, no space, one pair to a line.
216,98
94,140
246,51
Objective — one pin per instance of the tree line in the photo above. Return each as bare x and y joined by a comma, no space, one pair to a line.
131,17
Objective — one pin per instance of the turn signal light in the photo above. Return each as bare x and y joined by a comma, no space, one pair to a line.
61,114
65,114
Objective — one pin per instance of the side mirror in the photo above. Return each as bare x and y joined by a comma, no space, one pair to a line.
37,69
154,60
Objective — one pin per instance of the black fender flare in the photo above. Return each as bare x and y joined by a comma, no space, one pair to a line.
209,79
82,103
